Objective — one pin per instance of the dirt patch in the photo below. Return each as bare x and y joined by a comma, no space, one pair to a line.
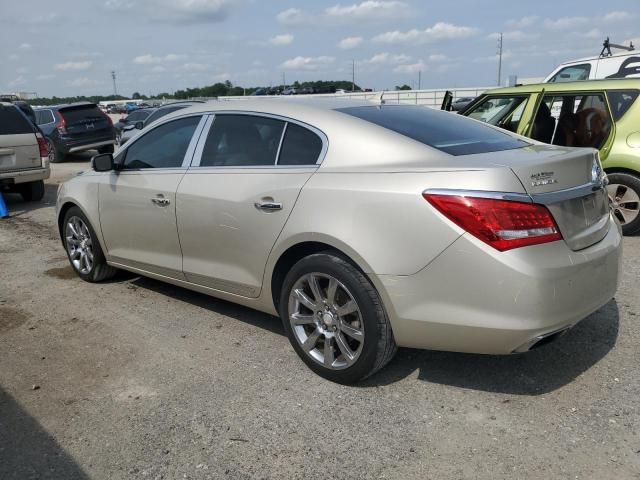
63,273
11,318
56,259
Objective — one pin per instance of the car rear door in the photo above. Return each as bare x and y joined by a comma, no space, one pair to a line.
138,201
235,200
18,144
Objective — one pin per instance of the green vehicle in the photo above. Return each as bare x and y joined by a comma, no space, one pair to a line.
602,114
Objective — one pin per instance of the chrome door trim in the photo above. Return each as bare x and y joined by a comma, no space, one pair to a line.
568,193
284,131
202,140
188,155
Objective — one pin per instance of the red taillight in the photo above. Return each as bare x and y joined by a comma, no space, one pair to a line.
42,146
62,124
503,224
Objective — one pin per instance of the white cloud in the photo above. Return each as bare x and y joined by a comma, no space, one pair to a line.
307,63
158,69
440,31
386,58
175,11
410,68
17,82
565,23
73,66
619,16
84,82
514,36
25,46
13,57
369,10
350,42
437,57
195,67
523,22
149,59
45,76
593,33
173,57
280,40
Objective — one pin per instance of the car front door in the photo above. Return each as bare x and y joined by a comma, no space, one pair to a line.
234,202
137,201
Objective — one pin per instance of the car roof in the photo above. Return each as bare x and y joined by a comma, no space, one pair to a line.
580,86
598,57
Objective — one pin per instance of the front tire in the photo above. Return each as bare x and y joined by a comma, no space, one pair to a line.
83,248
32,191
334,318
624,193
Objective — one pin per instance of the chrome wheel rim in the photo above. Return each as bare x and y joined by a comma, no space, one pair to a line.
326,321
625,202
79,245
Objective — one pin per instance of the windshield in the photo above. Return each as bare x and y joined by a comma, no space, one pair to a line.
444,131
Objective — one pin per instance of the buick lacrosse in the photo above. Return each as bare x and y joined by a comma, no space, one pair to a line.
363,226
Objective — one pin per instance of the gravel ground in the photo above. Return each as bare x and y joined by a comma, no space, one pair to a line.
137,379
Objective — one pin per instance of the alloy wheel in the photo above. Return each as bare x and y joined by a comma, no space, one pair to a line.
51,151
326,320
625,202
79,245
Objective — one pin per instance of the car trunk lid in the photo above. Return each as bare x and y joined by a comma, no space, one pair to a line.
18,144
570,182
85,122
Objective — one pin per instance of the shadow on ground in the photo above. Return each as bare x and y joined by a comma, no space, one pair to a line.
534,373
27,451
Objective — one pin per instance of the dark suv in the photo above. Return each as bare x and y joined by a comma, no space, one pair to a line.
74,128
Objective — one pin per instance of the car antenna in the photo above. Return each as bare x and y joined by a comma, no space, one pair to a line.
607,45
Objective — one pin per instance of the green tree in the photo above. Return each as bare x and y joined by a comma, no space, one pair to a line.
404,87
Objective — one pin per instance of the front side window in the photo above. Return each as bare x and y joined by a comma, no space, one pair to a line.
300,146
448,132
504,112
242,140
163,147
572,120
572,73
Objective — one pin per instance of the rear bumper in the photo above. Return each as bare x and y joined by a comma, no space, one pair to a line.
24,176
475,299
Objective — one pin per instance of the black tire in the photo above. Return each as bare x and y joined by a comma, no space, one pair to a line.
100,270
632,182
107,149
32,191
378,346
55,154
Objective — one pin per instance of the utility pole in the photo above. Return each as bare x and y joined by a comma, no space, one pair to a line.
353,75
113,77
419,79
500,59
284,83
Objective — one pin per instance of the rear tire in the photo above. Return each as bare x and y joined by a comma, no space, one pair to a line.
55,155
624,193
83,248
32,191
324,331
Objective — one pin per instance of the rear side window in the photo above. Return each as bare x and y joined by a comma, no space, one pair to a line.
242,140
163,147
80,114
300,146
504,111
44,116
572,73
448,132
13,122
621,101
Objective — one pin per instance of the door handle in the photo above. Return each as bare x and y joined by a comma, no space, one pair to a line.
160,201
268,206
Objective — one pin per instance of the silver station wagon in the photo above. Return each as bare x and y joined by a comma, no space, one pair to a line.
363,226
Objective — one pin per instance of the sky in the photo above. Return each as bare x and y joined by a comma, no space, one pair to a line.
70,47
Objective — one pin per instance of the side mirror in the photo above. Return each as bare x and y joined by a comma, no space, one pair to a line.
139,125
126,128
102,162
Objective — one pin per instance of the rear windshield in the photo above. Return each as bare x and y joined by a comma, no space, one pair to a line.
79,114
448,132
13,122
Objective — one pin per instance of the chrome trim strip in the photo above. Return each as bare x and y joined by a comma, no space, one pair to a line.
92,145
511,196
188,155
567,194
284,131
197,155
